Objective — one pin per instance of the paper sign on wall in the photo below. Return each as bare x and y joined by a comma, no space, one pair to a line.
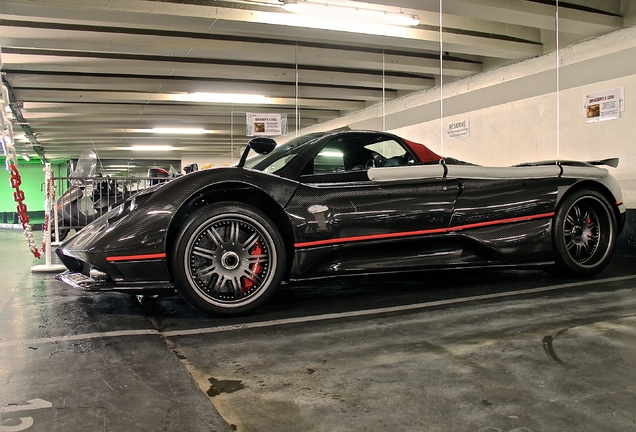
266,124
603,106
458,129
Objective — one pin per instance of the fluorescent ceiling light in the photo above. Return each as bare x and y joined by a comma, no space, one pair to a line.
150,148
221,98
120,166
173,131
26,157
331,12
180,131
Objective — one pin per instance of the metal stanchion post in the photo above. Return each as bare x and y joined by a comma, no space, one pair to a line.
48,266
56,222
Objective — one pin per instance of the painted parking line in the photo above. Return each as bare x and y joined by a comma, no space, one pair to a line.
313,318
82,336
385,310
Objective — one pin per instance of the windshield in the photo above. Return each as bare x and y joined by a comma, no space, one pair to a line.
86,164
282,154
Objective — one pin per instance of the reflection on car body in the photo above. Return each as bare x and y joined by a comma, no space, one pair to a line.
344,203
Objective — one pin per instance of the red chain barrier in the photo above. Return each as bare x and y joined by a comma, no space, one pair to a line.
18,197
6,141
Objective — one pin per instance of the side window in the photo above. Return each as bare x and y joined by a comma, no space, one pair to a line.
387,149
357,153
329,160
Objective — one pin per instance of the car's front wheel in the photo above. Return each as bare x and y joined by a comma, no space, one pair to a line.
584,233
63,233
228,259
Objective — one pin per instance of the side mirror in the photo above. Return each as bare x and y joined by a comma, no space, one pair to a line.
261,145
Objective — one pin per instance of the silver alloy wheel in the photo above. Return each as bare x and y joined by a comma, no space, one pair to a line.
230,260
584,233
588,231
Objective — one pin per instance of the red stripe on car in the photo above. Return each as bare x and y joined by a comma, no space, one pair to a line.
135,257
421,232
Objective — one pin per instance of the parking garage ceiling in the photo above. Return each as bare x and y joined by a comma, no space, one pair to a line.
110,74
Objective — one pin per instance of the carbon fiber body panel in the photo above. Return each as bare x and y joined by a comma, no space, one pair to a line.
409,225
342,222
129,243
505,199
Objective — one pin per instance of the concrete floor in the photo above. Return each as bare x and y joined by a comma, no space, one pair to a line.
455,351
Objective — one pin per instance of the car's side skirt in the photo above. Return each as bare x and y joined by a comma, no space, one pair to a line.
340,240
517,240
525,266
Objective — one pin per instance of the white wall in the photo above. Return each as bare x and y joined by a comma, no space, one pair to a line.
525,130
513,110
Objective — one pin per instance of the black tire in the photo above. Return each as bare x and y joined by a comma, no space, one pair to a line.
228,259
584,233
63,233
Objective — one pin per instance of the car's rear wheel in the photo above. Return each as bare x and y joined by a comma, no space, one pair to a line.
228,259
584,233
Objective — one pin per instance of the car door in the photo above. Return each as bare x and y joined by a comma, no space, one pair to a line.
344,222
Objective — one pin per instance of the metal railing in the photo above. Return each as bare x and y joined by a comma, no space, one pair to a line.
81,200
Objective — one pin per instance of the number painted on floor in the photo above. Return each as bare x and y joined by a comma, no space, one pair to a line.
33,404
25,422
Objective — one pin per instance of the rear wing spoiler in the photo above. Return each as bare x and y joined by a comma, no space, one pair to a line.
611,162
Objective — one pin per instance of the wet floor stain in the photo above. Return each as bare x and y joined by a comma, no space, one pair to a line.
224,386
549,348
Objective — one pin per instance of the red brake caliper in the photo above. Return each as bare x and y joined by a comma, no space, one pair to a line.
256,268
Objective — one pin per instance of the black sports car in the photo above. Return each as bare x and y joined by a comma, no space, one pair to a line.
344,203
